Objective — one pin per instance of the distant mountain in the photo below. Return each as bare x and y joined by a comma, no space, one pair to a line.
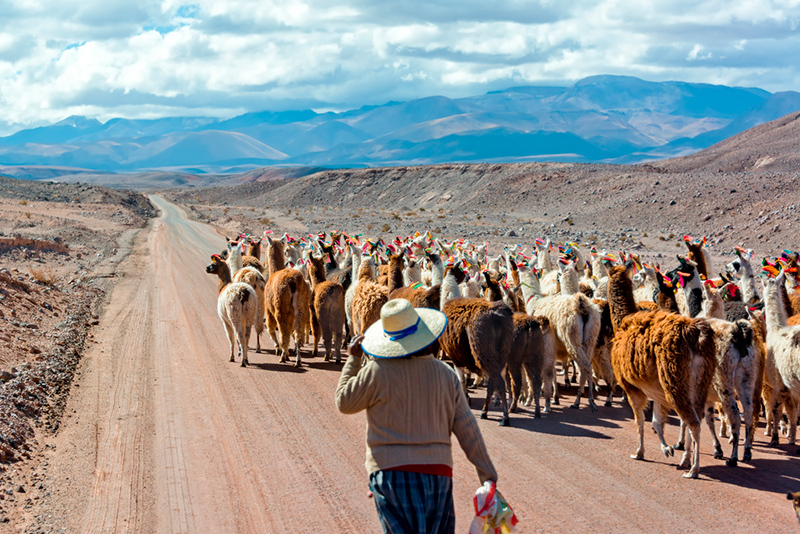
609,119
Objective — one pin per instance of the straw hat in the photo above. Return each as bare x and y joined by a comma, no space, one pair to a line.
403,330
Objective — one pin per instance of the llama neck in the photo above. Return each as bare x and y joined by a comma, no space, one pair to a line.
620,295
748,286
437,271
569,281
395,275
713,306
412,275
365,271
277,261
224,275
530,285
234,258
450,289
316,273
774,310
254,250
543,261
354,267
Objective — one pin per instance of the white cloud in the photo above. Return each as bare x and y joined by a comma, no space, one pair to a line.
151,58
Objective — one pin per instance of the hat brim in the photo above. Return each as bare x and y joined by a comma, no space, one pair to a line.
377,344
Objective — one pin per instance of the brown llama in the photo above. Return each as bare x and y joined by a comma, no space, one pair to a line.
236,306
478,338
532,348
368,298
287,299
425,297
327,310
253,256
665,357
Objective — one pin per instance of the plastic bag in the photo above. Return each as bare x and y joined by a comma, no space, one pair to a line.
493,515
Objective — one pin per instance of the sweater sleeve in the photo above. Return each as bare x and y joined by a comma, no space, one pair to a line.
356,387
468,433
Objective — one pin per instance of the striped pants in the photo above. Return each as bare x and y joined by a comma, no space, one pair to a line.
413,503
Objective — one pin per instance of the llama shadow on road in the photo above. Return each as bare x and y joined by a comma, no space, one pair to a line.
779,475
279,367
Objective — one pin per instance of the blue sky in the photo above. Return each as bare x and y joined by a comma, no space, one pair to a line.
147,59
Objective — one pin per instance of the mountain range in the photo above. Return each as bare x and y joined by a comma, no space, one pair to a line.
600,119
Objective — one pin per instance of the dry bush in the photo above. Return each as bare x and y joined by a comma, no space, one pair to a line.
10,243
44,276
266,221
23,202
27,215
386,228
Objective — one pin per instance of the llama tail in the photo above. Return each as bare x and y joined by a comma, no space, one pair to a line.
743,337
243,294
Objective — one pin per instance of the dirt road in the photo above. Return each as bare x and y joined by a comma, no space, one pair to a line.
165,435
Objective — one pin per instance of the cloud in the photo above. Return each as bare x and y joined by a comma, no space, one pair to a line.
152,58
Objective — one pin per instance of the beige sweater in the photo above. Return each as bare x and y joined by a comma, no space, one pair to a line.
413,405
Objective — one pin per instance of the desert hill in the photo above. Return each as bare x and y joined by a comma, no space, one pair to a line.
719,192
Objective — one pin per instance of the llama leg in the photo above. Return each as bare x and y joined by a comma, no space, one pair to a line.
490,387
242,343
731,412
710,422
285,334
297,344
637,400
575,371
514,383
536,387
694,432
547,379
775,412
272,326
316,331
501,386
460,371
659,415
231,338
791,412
681,444
586,376
337,343
327,338
747,408
611,385
555,390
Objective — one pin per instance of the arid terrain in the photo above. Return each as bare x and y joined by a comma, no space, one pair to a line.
121,413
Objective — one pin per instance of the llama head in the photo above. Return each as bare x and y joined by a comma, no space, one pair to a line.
217,264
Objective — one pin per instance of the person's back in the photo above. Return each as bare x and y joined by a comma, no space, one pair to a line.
413,404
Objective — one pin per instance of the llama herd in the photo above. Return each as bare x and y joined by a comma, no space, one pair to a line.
690,340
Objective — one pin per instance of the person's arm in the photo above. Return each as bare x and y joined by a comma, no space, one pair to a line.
469,436
356,385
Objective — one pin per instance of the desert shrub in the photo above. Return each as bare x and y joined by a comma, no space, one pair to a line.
386,228
44,276
10,243
266,221
23,202
27,215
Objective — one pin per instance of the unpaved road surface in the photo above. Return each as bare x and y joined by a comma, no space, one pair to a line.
165,435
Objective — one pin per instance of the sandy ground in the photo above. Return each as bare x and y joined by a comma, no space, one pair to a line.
163,434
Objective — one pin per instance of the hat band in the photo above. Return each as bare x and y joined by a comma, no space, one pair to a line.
400,334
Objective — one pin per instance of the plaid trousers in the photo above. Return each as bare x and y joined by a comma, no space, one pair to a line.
413,503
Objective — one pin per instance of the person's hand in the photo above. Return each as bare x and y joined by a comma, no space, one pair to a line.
355,347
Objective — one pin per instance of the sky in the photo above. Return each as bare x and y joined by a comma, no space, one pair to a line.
220,58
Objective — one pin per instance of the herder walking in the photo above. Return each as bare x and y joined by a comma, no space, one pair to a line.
413,403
